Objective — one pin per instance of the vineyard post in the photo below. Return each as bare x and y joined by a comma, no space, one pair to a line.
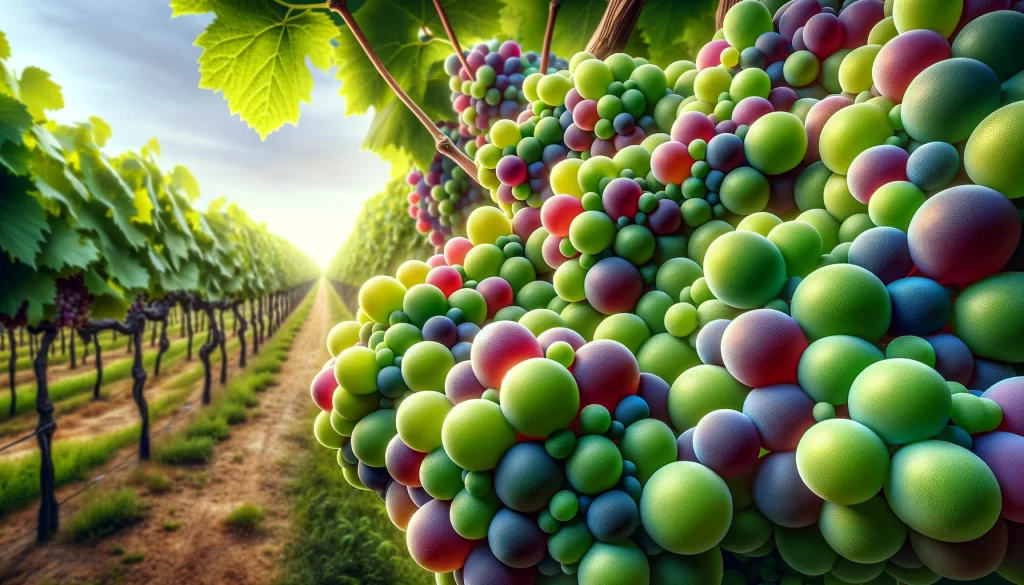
259,307
99,366
616,25
74,358
165,343
12,364
204,351
63,343
181,315
189,304
152,338
442,143
48,517
243,325
255,327
135,328
223,346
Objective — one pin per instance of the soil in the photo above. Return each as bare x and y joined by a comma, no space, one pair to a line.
201,548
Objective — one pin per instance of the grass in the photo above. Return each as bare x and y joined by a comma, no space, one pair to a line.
340,534
208,426
133,558
184,450
247,519
106,513
171,526
73,459
155,481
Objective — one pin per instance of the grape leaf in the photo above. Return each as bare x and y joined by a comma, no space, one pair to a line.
187,7
395,125
65,246
107,187
185,278
255,54
577,20
143,207
15,120
392,27
5,47
23,220
125,269
183,179
98,286
100,130
676,30
39,93
23,284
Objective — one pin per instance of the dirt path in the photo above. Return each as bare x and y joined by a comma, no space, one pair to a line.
202,549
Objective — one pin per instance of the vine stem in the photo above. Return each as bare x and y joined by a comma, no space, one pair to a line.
615,27
548,33
453,39
442,143
301,6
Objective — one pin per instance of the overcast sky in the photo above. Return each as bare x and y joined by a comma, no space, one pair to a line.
129,63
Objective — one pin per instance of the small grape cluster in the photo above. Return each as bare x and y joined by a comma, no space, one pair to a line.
138,304
442,197
497,92
73,301
20,319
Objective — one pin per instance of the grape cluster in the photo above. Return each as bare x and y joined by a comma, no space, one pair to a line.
780,339
442,196
137,306
497,91
20,319
73,302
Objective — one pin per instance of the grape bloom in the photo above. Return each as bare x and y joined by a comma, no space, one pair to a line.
752,318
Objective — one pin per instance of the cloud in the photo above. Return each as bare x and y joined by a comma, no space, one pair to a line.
133,65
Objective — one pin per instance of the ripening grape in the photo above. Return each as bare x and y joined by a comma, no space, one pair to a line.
442,196
72,302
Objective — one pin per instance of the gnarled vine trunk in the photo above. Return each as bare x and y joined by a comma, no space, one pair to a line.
243,325
212,339
165,344
255,328
223,349
49,519
99,366
12,366
615,27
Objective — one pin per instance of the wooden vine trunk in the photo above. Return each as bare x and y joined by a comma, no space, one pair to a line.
49,518
723,7
615,27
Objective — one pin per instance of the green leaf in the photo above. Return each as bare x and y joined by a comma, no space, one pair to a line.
23,220
109,189
183,179
15,120
577,20
185,278
24,285
15,157
67,247
395,126
186,7
676,30
108,307
392,27
255,53
100,130
39,93
125,269
97,286
5,47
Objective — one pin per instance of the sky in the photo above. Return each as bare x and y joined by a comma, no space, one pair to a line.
131,64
